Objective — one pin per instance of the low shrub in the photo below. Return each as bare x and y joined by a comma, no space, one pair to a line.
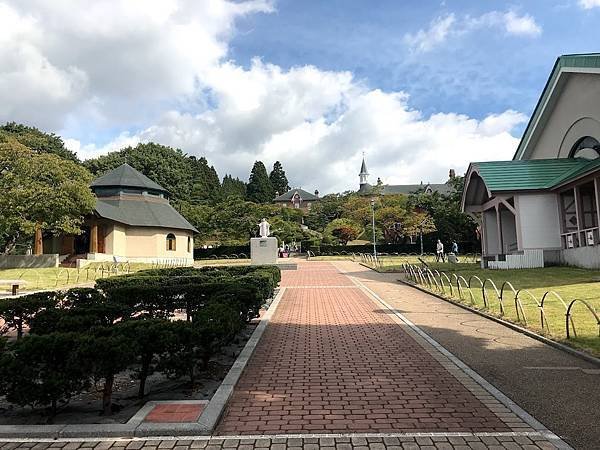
18,312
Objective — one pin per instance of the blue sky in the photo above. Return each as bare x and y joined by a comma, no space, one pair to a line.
418,86
476,74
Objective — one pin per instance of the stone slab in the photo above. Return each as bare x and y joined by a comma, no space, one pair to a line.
263,251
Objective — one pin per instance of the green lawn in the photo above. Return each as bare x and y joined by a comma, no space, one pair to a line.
568,282
61,278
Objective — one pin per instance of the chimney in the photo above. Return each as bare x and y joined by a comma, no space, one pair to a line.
316,192
452,174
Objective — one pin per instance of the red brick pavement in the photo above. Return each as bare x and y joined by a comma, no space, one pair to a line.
332,361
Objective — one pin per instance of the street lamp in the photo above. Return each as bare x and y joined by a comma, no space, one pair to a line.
373,224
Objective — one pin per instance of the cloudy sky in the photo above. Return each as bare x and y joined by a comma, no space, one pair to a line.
419,86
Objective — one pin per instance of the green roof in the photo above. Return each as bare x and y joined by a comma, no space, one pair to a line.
575,62
127,177
533,174
142,213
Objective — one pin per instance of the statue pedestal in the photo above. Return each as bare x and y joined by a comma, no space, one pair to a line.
263,251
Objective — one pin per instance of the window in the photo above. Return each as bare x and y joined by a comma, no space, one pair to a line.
587,147
189,244
589,214
171,242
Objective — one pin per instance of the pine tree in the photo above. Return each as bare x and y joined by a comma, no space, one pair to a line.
233,187
278,179
259,188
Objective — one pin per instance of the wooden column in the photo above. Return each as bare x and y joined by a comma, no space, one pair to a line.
597,195
94,238
38,244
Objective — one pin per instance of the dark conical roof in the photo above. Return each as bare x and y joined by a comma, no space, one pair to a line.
363,168
126,176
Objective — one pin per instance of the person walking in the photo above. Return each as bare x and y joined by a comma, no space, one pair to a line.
439,251
455,248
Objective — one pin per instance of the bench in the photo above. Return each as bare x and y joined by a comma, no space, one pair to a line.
15,284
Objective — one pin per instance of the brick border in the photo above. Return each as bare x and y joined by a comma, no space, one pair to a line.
507,410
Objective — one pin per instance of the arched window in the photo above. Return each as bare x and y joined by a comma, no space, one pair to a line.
171,242
587,147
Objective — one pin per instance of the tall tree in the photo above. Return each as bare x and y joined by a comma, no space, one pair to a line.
40,192
37,141
259,188
278,179
233,187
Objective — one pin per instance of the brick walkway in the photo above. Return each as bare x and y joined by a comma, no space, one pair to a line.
333,361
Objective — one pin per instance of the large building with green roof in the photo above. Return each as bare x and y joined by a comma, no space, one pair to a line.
543,206
132,221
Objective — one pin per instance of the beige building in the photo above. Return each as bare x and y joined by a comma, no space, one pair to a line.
132,221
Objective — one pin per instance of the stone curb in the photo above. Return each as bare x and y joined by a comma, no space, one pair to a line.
496,393
135,427
565,348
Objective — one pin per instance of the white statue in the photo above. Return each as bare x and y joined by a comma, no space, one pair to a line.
264,228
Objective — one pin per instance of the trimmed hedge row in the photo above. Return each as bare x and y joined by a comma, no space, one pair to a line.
82,336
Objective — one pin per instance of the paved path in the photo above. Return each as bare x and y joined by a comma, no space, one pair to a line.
333,360
560,390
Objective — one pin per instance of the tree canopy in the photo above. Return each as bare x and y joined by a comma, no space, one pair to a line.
259,189
37,141
40,190
187,178
279,181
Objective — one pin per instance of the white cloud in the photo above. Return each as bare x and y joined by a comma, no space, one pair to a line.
160,70
425,40
443,28
589,4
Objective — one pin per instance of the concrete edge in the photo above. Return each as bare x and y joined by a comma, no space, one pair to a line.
496,393
216,407
565,348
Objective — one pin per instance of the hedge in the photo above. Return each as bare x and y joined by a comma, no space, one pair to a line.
126,323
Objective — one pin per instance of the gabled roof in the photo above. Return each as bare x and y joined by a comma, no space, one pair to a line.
533,174
305,196
564,65
127,177
391,189
142,213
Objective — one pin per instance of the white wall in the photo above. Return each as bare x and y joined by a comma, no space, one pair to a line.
490,233
539,221
576,114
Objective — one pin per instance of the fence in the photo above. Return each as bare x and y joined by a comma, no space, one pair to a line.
504,299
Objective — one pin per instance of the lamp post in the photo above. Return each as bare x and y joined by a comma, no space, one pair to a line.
421,234
373,225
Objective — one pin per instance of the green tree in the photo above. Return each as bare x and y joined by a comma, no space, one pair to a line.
343,230
43,370
259,188
36,140
233,187
40,191
279,181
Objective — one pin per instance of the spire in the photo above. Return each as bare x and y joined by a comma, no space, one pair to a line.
363,172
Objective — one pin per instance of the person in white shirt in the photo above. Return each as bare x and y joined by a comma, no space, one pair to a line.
439,251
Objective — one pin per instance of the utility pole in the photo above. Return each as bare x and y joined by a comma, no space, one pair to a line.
373,225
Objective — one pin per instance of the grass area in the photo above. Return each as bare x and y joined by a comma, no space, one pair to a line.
62,277
530,285
221,262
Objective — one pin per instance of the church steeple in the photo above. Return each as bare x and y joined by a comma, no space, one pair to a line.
364,174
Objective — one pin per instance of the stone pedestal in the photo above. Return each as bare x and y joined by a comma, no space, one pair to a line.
263,251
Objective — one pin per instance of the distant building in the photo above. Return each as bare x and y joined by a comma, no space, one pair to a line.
389,189
297,198
132,221
543,207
